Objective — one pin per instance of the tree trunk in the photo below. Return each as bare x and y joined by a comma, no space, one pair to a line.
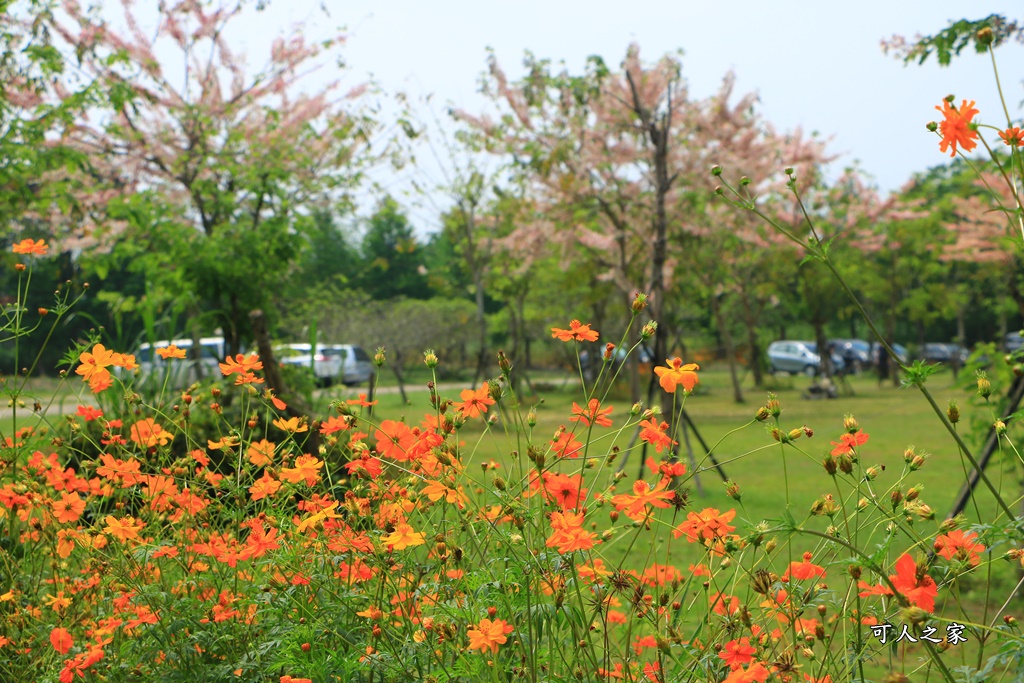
295,405
401,382
821,340
730,350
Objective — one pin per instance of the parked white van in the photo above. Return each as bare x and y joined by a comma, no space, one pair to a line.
178,373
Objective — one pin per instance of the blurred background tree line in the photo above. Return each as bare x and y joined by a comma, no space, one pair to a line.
186,200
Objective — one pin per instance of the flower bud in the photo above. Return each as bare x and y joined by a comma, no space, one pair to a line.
430,358
762,414
20,267
984,386
850,424
1010,621
953,411
732,489
635,409
378,358
531,417
795,434
915,615
1000,427
913,492
773,406
716,170
854,571
896,497
648,330
504,364
808,431
932,126
830,465
639,302
985,36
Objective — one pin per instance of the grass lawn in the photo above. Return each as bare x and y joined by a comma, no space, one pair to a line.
893,418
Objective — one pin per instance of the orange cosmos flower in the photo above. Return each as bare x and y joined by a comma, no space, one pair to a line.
847,442
801,571
755,673
569,534
171,351
403,537
335,423
361,401
124,529
124,471
240,364
100,381
962,547
61,640
655,434
565,489
394,440
591,414
1013,137
707,525
293,424
69,508
89,413
147,433
635,505
916,586
260,452
956,128
307,468
576,331
264,487
488,635
94,362
676,373
736,653
565,445
33,247
474,402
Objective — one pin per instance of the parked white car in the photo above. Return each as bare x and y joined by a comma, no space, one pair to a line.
346,363
178,373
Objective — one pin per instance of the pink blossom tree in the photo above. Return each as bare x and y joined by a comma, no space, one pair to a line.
215,167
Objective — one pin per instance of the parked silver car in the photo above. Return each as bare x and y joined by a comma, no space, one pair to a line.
346,363
798,356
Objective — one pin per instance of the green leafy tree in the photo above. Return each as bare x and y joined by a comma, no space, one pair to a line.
393,260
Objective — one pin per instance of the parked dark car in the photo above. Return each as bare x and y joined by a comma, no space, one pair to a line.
900,349
856,353
935,352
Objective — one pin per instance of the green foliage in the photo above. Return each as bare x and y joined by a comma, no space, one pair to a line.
393,262
952,40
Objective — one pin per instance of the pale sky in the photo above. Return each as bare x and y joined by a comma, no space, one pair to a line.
817,65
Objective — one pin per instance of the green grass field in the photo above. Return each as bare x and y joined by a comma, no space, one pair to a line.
894,418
